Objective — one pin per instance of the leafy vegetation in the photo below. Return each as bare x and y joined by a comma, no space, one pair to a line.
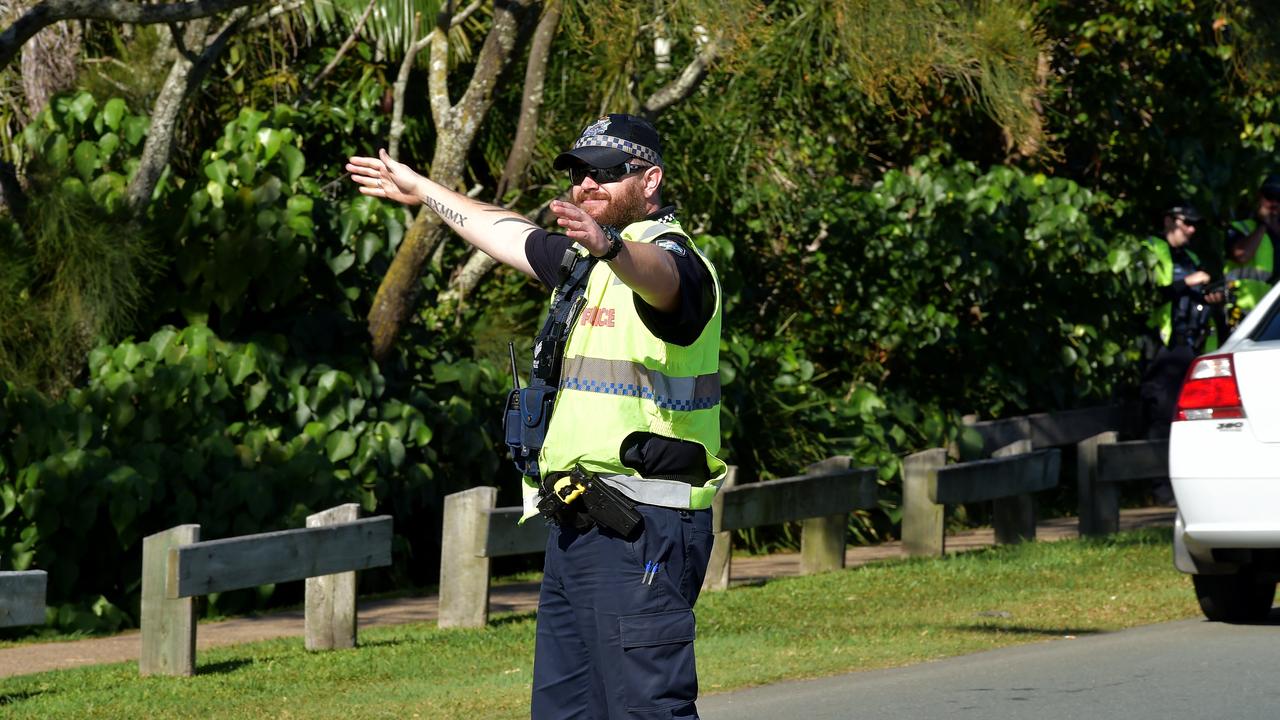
256,408
76,270
918,214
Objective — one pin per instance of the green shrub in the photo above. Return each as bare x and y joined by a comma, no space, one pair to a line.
939,291
188,428
75,267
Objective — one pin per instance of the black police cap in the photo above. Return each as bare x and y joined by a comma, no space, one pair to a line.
1186,211
1270,187
613,140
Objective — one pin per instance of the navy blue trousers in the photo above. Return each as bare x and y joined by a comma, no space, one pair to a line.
615,620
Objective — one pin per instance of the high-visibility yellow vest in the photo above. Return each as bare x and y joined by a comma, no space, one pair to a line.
1161,319
1249,280
617,378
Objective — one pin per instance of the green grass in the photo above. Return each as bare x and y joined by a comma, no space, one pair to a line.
882,615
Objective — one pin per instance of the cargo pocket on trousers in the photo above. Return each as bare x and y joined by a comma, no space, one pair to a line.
657,657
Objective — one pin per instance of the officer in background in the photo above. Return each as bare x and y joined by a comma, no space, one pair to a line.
1250,267
616,431
1180,323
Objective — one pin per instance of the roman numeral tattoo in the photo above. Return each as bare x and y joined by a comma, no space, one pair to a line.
448,213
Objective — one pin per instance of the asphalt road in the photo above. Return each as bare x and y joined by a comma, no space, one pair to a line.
1188,669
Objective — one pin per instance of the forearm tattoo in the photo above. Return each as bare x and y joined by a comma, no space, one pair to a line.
528,226
448,213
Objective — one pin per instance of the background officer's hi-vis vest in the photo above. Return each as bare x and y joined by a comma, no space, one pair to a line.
1161,319
617,379
1250,281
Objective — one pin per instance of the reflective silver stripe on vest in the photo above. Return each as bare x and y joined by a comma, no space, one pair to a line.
656,230
667,493
620,377
1249,273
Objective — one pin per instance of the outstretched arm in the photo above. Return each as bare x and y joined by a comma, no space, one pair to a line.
497,232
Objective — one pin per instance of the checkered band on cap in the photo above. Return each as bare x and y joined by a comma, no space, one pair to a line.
617,143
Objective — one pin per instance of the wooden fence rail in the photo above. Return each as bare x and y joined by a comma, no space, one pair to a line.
821,500
1102,463
1047,430
474,531
176,567
22,596
1009,479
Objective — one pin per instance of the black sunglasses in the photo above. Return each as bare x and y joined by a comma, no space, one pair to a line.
604,175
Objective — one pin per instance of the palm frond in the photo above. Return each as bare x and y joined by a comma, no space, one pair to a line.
393,27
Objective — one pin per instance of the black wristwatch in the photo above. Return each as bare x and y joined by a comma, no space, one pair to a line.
615,243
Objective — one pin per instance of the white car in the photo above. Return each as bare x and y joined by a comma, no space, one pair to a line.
1224,462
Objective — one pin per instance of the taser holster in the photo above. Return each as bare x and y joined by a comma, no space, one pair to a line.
566,499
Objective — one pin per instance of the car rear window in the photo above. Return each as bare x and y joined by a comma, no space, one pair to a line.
1269,329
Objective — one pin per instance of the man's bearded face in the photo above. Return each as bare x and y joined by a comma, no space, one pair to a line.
617,203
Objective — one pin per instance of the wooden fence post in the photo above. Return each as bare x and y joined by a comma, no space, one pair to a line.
1014,518
717,577
822,539
168,624
331,599
464,568
1098,501
922,519
22,597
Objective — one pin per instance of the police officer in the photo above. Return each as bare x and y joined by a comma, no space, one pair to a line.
1180,322
626,368
1181,316
1250,266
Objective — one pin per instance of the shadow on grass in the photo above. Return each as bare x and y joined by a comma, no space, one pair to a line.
997,629
17,697
224,667
512,618
1154,535
382,642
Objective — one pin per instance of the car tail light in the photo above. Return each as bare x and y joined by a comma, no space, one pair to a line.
1209,391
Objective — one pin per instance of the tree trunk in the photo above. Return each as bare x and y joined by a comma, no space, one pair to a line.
456,129
187,72
395,300
49,64
535,79
47,12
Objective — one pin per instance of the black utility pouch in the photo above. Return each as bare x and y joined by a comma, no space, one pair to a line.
525,422
524,457
536,404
